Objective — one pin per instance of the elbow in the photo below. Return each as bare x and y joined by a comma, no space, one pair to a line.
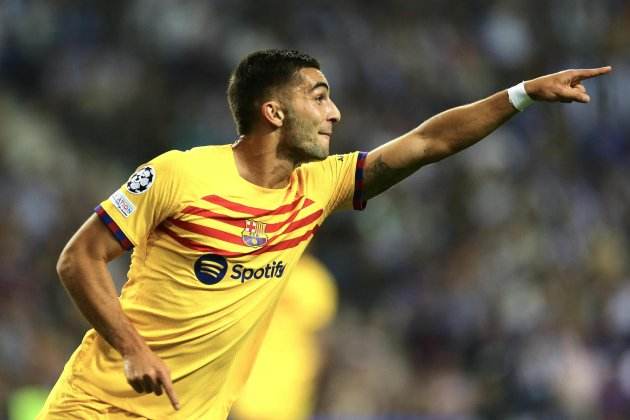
62,266
433,149
65,264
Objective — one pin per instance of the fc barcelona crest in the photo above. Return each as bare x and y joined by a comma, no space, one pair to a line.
254,233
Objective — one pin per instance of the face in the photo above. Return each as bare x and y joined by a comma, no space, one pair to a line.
310,115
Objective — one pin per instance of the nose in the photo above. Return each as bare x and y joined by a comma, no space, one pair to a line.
334,115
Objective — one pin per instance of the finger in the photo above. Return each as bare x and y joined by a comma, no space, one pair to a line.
583,98
573,95
165,381
158,388
578,96
148,384
137,386
580,87
583,74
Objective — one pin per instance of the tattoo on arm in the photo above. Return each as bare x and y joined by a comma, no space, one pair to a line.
379,176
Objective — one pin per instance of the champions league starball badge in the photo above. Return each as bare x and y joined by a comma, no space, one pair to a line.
141,180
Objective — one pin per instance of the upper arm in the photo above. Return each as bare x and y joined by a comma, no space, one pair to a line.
393,161
151,194
335,182
93,241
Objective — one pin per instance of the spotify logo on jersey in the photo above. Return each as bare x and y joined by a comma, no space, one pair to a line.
210,268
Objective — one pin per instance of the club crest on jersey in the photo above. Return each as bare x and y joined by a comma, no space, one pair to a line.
254,233
141,180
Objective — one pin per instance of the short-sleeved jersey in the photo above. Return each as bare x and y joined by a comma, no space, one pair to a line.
211,253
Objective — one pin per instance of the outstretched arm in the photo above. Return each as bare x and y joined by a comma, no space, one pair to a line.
82,268
455,129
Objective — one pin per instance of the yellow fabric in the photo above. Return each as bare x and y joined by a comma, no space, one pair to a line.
208,334
67,402
282,382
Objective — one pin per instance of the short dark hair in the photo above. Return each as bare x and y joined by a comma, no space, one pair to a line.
256,77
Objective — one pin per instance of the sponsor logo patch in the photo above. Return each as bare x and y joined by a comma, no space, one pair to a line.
211,269
269,271
141,180
122,203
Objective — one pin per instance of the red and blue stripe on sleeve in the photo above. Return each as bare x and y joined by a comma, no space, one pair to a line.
114,228
357,200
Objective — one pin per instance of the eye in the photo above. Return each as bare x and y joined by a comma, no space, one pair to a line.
320,98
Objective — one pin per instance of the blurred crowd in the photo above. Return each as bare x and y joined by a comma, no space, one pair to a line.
492,285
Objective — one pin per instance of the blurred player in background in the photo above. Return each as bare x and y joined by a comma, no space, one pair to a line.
216,231
291,347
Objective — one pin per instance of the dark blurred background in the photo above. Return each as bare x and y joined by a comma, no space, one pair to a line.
494,284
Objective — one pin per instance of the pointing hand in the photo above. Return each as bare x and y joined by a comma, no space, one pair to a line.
564,86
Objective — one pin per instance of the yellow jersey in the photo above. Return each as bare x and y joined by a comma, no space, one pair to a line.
211,255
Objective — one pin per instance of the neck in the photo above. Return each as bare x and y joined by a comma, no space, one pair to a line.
258,160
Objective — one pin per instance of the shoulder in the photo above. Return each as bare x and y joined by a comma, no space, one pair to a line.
318,164
185,162
332,163
201,152
167,160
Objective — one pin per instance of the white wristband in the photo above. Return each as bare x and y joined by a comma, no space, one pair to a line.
518,97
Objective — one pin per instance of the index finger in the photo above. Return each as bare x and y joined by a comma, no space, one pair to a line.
583,74
165,380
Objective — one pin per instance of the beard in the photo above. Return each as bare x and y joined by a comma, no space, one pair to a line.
301,142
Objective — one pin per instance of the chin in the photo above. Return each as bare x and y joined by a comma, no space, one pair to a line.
314,157
320,154
314,152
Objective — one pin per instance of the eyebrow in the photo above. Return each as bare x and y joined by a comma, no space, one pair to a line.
320,84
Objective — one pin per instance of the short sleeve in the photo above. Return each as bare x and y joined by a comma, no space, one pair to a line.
339,180
149,196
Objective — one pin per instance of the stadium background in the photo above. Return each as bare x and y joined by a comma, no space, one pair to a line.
494,284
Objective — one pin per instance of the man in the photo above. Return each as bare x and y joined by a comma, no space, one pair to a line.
216,231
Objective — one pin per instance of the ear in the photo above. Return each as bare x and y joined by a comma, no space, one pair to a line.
272,113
